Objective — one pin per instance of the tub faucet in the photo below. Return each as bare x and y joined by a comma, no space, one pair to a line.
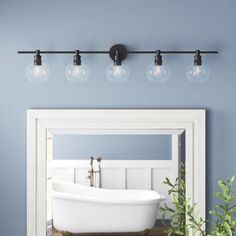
99,159
92,172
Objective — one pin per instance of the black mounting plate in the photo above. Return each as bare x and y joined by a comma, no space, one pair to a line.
121,49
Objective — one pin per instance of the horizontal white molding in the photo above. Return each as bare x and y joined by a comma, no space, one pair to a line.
113,163
117,132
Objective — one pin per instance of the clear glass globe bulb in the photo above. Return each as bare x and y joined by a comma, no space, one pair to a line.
197,73
37,73
158,73
77,73
117,73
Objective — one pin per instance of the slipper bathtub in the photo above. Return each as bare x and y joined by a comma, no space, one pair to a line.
82,209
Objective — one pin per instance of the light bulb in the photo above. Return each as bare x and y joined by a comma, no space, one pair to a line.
197,73
77,73
158,73
117,73
37,73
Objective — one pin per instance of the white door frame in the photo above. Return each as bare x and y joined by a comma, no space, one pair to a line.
39,122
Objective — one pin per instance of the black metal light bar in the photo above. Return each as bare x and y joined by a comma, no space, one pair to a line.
118,53
128,52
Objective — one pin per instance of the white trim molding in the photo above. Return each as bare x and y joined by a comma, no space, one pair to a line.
40,122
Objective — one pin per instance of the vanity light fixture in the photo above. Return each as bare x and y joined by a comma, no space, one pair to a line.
197,72
76,71
158,72
37,71
118,71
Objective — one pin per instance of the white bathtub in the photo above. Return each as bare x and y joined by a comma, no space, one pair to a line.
82,209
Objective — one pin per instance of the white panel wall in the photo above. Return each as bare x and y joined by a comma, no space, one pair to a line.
111,178
136,178
65,174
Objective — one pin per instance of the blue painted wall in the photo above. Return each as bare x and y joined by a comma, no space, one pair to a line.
112,147
88,24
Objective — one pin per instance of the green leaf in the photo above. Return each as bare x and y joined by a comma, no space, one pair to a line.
215,213
229,198
220,206
231,181
218,194
222,185
219,234
227,229
167,181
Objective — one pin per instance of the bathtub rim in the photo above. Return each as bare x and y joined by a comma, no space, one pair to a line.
66,196
60,193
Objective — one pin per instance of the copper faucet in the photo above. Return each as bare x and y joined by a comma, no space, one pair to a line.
91,173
